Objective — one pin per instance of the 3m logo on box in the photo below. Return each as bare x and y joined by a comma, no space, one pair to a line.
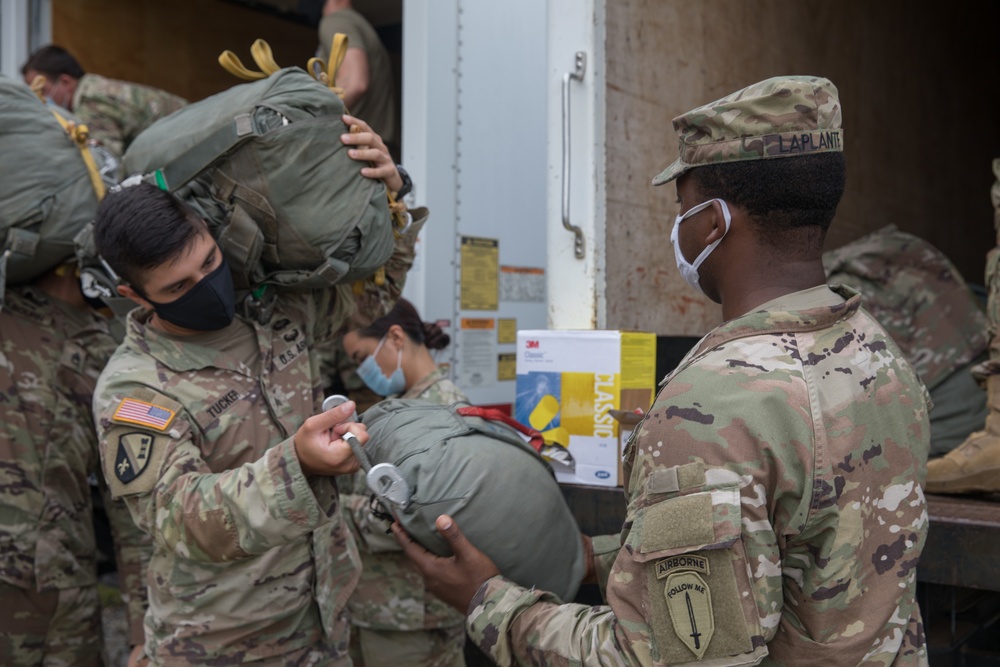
532,344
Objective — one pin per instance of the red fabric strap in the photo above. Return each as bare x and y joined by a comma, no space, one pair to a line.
535,437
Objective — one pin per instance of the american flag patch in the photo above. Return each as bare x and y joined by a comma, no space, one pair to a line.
131,411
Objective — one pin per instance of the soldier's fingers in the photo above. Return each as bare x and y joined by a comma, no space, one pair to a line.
421,557
354,120
369,154
338,457
362,125
363,138
359,139
327,420
461,547
360,431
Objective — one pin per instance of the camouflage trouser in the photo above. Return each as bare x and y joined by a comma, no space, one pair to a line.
320,654
53,628
426,648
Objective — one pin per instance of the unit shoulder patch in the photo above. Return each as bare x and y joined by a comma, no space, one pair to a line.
690,603
132,460
135,451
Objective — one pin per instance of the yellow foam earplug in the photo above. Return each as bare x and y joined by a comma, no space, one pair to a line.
544,412
556,436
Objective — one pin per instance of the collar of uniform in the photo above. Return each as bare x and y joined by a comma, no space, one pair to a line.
29,303
173,352
84,86
814,297
777,320
33,304
427,381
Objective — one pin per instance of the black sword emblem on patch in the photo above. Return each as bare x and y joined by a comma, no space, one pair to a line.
694,624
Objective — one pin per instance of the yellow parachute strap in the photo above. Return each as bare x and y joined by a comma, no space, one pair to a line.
398,210
232,64
37,84
261,52
358,288
327,74
79,134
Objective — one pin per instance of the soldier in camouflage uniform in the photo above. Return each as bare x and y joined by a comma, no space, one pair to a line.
974,466
114,111
775,511
918,295
203,429
395,620
52,348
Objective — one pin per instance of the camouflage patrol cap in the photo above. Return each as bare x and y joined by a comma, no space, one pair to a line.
786,116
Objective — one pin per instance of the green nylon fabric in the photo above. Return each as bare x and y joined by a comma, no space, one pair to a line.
481,473
46,196
264,164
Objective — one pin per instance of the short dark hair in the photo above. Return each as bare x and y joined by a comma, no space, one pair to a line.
52,61
406,316
784,194
141,227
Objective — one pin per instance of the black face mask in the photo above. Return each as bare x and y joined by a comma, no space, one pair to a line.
208,306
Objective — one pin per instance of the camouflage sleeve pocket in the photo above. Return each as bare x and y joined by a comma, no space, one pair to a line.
686,541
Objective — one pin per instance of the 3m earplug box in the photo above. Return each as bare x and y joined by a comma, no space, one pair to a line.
568,382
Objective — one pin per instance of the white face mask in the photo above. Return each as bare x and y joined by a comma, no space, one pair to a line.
689,270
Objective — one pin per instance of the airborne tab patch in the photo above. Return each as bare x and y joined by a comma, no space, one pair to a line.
132,411
690,562
134,452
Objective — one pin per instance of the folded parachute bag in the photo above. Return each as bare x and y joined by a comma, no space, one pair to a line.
49,184
481,472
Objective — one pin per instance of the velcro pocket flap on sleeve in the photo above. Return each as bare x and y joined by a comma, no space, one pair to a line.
705,520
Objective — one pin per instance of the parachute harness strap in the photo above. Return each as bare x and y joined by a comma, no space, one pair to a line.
79,135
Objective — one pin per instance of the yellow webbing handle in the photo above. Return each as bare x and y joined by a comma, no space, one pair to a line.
261,52
232,64
328,71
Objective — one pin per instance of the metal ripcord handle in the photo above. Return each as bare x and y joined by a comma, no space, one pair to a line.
385,480
333,401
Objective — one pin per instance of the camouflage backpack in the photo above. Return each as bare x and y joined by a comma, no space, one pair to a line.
264,165
482,473
48,192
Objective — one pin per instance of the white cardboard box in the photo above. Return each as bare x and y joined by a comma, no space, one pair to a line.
567,384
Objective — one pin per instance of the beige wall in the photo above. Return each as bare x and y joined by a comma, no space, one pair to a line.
920,121
173,44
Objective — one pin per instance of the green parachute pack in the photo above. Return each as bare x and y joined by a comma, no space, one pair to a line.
50,184
481,472
264,165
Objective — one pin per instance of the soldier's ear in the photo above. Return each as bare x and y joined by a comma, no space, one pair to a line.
129,293
397,336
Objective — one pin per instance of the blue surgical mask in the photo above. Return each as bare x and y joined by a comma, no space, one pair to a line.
689,270
371,373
